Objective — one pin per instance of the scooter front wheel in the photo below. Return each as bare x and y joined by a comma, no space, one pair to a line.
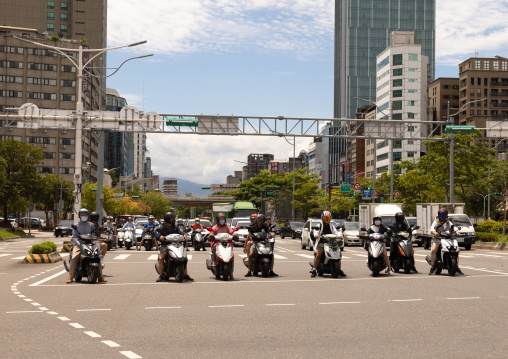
265,269
93,274
375,267
453,267
407,265
180,272
335,269
226,272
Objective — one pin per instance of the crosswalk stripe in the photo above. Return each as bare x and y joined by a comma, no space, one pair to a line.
153,257
305,256
5,255
279,256
121,256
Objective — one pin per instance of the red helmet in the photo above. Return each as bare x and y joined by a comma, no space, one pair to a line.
253,218
219,217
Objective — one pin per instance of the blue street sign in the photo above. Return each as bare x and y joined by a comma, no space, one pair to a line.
348,177
366,194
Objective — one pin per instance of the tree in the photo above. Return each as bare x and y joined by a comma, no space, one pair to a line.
47,189
109,203
20,171
157,204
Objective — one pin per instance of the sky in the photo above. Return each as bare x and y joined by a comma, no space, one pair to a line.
255,58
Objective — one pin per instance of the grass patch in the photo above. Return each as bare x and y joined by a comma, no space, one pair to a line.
7,234
491,237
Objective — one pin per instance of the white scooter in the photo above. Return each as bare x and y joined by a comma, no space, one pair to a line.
447,256
175,261
332,255
223,245
128,238
120,235
376,261
200,235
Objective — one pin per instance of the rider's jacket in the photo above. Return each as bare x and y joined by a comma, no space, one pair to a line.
98,230
149,225
438,226
403,227
256,229
166,231
382,229
197,226
129,225
82,228
222,229
323,229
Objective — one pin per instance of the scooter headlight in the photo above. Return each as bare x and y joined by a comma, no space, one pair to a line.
96,252
87,252
172,254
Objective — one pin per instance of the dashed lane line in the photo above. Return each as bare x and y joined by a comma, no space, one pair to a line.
122,257
111,344
148,308
226,306
153,257
130,355
405,300
91,310
25,311
47,279
464,298
305,256
280,305
329,303
76,325
93,334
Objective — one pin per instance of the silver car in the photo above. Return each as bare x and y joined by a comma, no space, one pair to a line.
352,233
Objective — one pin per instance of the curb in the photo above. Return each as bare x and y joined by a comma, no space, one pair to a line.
42,258
491,246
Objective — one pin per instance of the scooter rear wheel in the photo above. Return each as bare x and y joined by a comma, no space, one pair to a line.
78,279
375,267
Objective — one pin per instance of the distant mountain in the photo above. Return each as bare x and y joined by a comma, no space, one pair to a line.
186,186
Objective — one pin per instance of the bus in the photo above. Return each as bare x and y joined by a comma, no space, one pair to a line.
234,209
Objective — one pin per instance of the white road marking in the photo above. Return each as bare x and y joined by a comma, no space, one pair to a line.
16,292
130,355
64,319
53,313
93,334
163,308
305,256
111,344
276,305
359,255
21,296
5,255
28,300
405,300
76,325
19,257
340,303
90,310
43,308
121,257
276,256
153,257
48,278
25,311
36,304
285,249
226,306
483,270
465,298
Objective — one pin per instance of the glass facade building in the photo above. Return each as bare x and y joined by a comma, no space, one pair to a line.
362,32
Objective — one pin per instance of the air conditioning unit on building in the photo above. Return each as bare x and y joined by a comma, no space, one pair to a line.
63,146
44,146
64,132
44,131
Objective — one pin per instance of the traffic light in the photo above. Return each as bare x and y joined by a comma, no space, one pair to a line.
497,194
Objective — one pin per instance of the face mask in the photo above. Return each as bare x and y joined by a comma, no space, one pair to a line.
108,221
377,223
84,218
222,222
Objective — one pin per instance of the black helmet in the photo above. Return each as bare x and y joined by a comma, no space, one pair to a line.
94,217
399,217
169,217
261,218
442,214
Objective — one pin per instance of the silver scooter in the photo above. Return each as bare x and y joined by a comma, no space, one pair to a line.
376,261
175,261
447,256
332,255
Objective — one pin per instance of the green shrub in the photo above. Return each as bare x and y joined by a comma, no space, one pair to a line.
43,248
489,227
486,237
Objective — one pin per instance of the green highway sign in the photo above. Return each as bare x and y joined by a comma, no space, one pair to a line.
205,187
269,194
345,188
460,129
270,188
181,122
134,196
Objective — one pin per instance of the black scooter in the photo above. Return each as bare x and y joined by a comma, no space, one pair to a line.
89,260
262,261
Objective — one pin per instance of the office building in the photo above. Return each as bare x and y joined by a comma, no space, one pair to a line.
401,94
362,32
170,187
442,91
115,154
317,160
258,162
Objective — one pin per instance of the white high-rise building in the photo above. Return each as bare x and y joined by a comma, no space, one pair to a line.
401,93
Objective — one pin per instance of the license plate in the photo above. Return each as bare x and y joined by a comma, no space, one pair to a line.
460,240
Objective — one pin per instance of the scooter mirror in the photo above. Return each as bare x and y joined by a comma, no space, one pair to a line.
74,227
236,229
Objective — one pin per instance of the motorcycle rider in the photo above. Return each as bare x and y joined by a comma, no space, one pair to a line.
272,233
248,240
440,224
168,228
83,227
379,227
99,233
195,226
220,227
249,247
111,226
325,227
130,225
149,225
400,225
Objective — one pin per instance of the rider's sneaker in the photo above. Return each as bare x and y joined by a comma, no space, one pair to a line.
432,270
459,271
414,270
389,272
273,274
249,274
188,277
102,280
342,274
160,279
69,281
313,273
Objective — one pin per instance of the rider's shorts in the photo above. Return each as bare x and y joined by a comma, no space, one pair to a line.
163,249
320,246
436,241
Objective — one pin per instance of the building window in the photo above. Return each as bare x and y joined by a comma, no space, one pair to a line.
397,83
411,69
397,72
410,154
11,79
50,27
51,4
411,91
68,97
49,155
382,157
397,60
397,105
411,115
64,6
410,142
47,169
411,80
63,17
486,65
397,144
411,128
63,28
68,83
477,65
383,63
397,116
67,170
413,57
15,94
48,141
411,103
397,93
67,141
51,16
504,66
67,68
397,156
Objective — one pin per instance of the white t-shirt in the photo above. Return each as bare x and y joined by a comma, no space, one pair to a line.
445,227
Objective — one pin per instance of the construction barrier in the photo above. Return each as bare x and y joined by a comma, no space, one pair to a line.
66,247
42,258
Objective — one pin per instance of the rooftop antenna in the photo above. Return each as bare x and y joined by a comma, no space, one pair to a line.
476,53
143,96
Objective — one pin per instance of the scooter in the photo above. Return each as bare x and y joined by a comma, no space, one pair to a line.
89,260
175,261
376,261
120,236
108,238
223,244
128,238
148,239
447,256
403,256
199,237
262,261
331,257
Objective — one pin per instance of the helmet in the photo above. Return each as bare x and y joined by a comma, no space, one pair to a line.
221,216
261,218
150,217
326,217
83,214
442,214
130,218
399,217
196,220
377,217
253,218
94,217
169,217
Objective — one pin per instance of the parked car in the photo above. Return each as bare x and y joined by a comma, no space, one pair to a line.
291,229
36,222
63,228
352,233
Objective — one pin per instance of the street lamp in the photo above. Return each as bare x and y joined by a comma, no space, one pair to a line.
484,197
80,66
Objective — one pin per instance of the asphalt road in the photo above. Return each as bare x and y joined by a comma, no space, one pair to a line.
416,315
